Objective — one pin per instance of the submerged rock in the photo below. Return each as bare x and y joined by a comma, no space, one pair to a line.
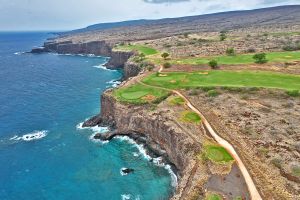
126,171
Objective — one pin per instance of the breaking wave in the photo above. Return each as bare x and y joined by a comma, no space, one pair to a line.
157,161
35,135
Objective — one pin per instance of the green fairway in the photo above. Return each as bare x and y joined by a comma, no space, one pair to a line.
140,48
139,94
239,59
177,80
190,117
217,154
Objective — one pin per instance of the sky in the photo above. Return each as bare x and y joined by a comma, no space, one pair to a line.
19,15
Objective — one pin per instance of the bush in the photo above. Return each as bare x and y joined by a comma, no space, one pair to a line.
186,35
212,93
293,93
276,162
223,36
165,55
251,50
167,65
260,58
230,51
213,64
291,47
207,88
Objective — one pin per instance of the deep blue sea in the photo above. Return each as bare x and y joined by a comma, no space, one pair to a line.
44,154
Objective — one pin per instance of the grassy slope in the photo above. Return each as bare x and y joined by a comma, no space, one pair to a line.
226,78
140,48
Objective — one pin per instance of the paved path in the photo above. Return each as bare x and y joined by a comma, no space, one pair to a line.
250,183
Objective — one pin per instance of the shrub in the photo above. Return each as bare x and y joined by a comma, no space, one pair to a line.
207,88
223,36
291,47
186,35
193,92
150,67
251,50
260,58
276,162
213,64
230,51
293,93
212,93
165,55
167,65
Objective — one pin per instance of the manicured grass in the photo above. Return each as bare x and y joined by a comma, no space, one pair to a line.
217,154
238,59
190,117
177,80
140,94
140,48
177,101
212,196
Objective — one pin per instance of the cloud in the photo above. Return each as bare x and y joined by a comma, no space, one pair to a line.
164,1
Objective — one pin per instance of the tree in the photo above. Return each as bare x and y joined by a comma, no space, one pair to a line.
230,51
213,64
260,58
167,65
165,55
223,36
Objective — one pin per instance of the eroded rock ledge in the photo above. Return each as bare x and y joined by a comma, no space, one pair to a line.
98,48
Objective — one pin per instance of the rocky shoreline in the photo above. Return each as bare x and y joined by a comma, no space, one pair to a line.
148,136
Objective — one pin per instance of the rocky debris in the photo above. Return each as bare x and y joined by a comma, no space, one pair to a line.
93,121
39,50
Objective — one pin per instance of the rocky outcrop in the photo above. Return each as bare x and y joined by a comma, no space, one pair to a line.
99,48
131,69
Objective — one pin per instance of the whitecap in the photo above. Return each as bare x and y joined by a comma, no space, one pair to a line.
35,135
125,196
19,53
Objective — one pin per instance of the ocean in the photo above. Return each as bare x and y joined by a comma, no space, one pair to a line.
44,152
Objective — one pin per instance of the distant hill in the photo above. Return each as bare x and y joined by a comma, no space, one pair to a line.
280,14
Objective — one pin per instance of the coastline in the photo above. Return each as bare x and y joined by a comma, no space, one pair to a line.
173,142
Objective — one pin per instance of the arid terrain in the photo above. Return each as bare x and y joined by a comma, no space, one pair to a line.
254,106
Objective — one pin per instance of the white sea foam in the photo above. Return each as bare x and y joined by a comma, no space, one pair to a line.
95,129
122,173
113,83
126,196
19,53
35,135
157,161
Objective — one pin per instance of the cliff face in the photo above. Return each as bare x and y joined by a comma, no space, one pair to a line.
131,69
100,48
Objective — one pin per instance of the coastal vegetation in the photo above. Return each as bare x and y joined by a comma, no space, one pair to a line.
140,48
177,101
217,154
190,117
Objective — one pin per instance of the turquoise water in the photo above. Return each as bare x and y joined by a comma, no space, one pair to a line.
43,152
